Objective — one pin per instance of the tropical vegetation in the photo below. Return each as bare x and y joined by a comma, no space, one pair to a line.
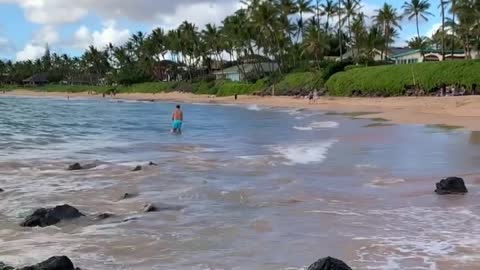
303,37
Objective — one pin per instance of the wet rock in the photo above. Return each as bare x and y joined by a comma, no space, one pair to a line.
75,167
54,263
138,168
44,217
104,216
128,196
451,185
161,207
128,219
329,263
5,267
152,164
149,208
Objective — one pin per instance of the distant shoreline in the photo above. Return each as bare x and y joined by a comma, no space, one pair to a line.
462,111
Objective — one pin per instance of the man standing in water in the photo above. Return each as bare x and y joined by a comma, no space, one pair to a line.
177,118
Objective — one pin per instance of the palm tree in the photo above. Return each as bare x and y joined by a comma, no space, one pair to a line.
315,44
212,38
340,24
329,10
416,9
388,18
467,14
303,7
359,32
350,8
453,11
442,8
419,43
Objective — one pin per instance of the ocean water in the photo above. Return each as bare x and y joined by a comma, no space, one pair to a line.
249,188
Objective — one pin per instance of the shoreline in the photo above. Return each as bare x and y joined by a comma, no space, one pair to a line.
461,111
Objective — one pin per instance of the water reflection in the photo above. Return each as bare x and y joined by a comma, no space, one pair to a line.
474,137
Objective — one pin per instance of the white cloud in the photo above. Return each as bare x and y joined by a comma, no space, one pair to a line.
6,46
47,35
199,13
30,52
83,37
433,29
68,11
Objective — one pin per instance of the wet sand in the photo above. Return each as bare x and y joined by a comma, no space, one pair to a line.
451,111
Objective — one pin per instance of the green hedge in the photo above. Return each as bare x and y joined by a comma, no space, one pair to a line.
298,82
69,88
228,88
393,80
150,87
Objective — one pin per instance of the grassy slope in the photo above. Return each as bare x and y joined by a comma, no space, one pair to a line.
394,79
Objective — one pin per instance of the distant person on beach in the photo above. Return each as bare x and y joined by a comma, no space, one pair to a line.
177,119
236,96
310,97
315,96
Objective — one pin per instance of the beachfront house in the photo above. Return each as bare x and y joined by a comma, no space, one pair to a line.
240,72
429,55
36,79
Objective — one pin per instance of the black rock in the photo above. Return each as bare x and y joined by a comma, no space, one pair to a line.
149,208
54,263
451,185
104,216
138,168
75,167
161,207
128,196
5,267
329,263
44,217
1,190
152,164
128,219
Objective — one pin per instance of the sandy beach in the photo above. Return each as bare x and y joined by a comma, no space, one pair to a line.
452,111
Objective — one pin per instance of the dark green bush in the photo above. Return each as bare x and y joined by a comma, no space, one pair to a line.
299,83
393,80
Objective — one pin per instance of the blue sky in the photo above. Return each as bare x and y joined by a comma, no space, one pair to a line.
69,26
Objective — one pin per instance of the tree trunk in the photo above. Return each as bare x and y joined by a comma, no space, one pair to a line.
443,29
340,29
350,35
419,38
453,35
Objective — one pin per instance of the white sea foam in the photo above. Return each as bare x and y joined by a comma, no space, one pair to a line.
318,125
303,128
255,107
304,153
380,182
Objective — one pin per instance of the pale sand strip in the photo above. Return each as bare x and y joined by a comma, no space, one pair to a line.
455,111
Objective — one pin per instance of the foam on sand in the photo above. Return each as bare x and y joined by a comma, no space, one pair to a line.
304,153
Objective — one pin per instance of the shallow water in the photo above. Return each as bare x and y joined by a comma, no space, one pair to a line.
250,188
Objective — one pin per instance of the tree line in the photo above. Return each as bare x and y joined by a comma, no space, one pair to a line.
295,34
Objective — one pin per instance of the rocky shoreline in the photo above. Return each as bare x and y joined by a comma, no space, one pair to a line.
44,217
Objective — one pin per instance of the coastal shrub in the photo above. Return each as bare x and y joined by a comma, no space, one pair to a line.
294,83
334,67
149,87
206,88
70,88
394,80
228,88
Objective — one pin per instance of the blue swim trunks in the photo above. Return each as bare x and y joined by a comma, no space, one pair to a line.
177,124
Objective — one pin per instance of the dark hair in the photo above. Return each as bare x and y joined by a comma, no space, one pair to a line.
178,106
